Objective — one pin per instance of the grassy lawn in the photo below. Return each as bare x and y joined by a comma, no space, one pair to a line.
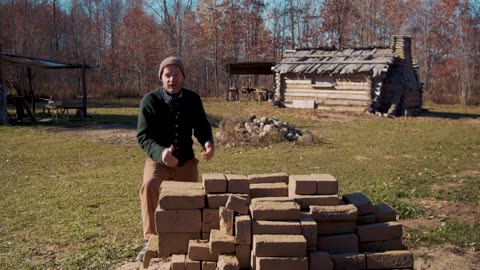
72,203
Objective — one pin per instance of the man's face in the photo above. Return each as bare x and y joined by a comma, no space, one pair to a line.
172,79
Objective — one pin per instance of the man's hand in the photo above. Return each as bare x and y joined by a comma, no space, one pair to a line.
168,158
209,151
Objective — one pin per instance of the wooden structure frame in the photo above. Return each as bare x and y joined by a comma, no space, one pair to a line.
247,68
29,62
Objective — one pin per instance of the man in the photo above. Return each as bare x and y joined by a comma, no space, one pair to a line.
166,119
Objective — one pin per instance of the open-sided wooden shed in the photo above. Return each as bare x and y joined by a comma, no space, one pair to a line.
374,79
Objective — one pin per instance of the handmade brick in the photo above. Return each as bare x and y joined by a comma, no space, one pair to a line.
226,220
276,227
151,252
182,199
192,265
366,219
301,185
221,243
205,236
178,220
279,263
210,219
238,183
228,262
384,213
272,199
268,178
217,200
339,243
238,204
305,201
167,186
346,212
379,231
268,190
337,227
178,262
209,265
214,183
327,184
320,260
243,230
174,243
243,255
270,210
309,230
393,244
348,261
389,259
273,245
199,250
363,204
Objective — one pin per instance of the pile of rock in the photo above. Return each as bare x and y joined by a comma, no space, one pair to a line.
274,221
258,129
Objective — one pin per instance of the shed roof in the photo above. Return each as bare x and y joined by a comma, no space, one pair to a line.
245,68
347,61
38,62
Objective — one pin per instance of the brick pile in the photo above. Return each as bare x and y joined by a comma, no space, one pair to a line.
274,221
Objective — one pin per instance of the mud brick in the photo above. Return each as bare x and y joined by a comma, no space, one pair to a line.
363,204
339,243
327,184
209,265
167,186
199,250
268,190
210,219
237,183
221,243
228,262
389,259
174,243
278,263
268,178
384,213
301,185
346,212
205,236
151,252
243,230
320,260
243,255
338,227
274,245
348,261
214,183
192,265
270,210
309,230
182,199
272,199
305,201
217,200
226,220
178,220
178,262
366,219
276,227
238,204
379,231
393,244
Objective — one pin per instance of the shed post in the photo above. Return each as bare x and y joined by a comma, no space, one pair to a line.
84,90
3,96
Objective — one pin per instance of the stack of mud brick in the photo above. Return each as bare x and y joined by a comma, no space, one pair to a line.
274,221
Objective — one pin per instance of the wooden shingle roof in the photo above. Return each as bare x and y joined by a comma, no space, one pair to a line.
347,61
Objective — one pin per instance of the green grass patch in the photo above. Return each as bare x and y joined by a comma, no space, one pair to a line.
70,202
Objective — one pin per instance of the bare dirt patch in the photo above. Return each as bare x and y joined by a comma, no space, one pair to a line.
109,133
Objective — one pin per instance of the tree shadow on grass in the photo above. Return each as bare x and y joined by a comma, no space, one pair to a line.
448,115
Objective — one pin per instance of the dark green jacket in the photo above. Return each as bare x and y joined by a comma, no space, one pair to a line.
165,120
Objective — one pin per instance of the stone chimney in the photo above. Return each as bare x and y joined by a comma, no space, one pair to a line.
402,47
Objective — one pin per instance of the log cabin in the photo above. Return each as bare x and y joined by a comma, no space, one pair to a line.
376,80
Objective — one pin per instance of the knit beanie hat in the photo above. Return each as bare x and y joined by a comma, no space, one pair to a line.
171,61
